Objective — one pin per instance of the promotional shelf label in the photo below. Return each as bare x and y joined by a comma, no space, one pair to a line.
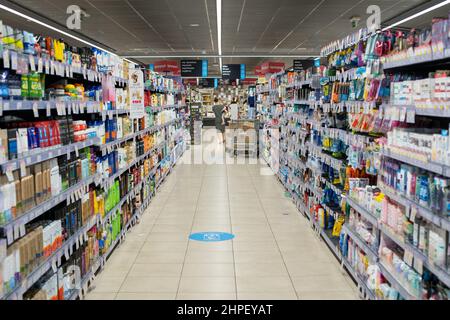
136,88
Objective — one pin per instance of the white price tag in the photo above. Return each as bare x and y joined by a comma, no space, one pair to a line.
408,258
16,232
22,230
54,267
418,265
32,62
9,174
14,60
411,116
48,109
23,168
66,253
40,66
35,110
6,63
47,66
9,235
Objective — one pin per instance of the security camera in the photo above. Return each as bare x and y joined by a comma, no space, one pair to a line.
355,21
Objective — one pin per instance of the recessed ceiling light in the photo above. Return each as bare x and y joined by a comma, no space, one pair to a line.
194,25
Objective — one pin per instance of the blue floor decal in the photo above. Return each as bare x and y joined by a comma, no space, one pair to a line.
211,236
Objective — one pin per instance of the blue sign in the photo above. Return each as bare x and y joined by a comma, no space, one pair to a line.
204,68
242,72
216,83
151,67
211,236
317,62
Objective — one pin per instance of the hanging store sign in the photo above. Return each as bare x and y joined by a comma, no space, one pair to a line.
233,72
249,81
272,67
194,68
136,89
208,82
301,65
167,67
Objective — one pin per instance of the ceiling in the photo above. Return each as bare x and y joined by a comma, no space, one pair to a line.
257,27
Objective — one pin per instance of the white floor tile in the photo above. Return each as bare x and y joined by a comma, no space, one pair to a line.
274,255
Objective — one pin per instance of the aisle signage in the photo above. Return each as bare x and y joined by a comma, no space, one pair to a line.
167,67
317,62
194,68
208,82
269,67
233,71
301,65
136,89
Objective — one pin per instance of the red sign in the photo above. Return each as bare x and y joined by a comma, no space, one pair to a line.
258,71
272,67
248,81
191,81
167,67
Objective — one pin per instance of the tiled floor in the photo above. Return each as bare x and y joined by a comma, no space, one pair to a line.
275,254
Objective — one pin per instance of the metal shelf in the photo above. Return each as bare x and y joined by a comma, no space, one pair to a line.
111,179
40,155
57,68
361,243
361,283
438,110
422,211
10,229
428,165
67,247
364,212
51,261
418,60
154,128
442,274
394,283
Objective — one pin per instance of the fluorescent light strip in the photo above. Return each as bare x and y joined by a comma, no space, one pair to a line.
219,31
432,8
17,13
225,56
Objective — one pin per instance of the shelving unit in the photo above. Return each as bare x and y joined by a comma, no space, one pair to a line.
121,189
313,170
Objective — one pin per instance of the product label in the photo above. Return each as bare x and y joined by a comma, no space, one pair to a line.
47,66
136,90
48,109
6,63
32,63
35,110
40,65
14,60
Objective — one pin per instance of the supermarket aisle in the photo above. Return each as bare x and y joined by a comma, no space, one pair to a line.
274,255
